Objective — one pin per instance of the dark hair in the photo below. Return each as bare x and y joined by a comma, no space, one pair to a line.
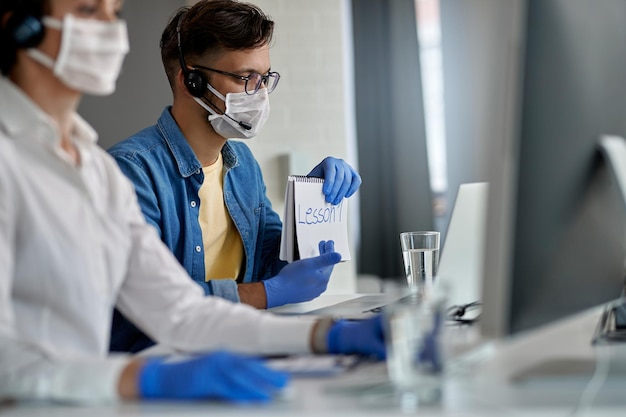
213,26
13,12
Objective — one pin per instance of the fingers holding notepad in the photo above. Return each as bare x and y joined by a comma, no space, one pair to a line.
302,280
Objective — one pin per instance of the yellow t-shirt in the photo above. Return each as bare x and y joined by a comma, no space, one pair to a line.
223,248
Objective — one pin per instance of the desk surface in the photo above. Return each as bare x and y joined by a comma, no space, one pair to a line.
479,383
315,304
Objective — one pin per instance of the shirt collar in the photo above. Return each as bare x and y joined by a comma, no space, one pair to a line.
24,119
184,155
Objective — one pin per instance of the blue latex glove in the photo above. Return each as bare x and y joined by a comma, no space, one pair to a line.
340,179
364,337
430,353
219,375
302,280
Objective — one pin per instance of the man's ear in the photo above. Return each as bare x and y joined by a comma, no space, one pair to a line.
179,84
180,78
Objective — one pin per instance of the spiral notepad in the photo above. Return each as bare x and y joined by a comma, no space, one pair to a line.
308,219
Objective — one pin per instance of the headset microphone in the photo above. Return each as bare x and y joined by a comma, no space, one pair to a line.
244,125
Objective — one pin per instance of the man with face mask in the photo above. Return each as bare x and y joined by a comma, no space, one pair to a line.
74,244
205,194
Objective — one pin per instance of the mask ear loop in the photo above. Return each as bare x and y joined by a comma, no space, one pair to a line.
52,23
207,106
217,93
45,60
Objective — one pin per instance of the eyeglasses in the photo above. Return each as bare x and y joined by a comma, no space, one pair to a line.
253,81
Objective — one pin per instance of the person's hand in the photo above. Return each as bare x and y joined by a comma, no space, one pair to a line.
302,280
364,337
340,179
219,375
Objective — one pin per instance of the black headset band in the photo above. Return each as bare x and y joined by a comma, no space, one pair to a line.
195,82
181,57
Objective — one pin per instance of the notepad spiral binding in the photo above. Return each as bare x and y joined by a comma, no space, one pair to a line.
304,178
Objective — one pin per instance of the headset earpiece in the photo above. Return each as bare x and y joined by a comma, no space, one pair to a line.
26,31
195,82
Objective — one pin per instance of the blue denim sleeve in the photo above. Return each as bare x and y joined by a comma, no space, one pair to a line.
224,288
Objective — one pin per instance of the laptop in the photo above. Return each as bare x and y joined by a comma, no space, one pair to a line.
462,256
460,263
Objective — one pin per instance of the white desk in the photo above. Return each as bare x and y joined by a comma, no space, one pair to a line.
479,384
319,302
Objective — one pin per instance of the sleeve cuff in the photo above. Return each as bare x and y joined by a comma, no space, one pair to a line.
224,288
89,383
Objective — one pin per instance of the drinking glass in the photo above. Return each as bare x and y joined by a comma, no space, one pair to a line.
420,253
414,328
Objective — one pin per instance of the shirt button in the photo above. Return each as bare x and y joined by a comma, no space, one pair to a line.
198,248
193,204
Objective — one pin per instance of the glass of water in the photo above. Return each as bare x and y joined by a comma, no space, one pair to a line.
420,252
414,329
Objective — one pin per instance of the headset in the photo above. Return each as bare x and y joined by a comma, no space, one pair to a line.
24,28
194,79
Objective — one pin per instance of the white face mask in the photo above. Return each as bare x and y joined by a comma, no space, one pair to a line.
241,110
91,53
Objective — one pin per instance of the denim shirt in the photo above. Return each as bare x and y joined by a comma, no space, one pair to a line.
167,176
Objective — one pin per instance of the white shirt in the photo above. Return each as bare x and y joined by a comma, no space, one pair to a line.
73,243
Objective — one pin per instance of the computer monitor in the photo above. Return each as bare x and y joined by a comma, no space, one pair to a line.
556,234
